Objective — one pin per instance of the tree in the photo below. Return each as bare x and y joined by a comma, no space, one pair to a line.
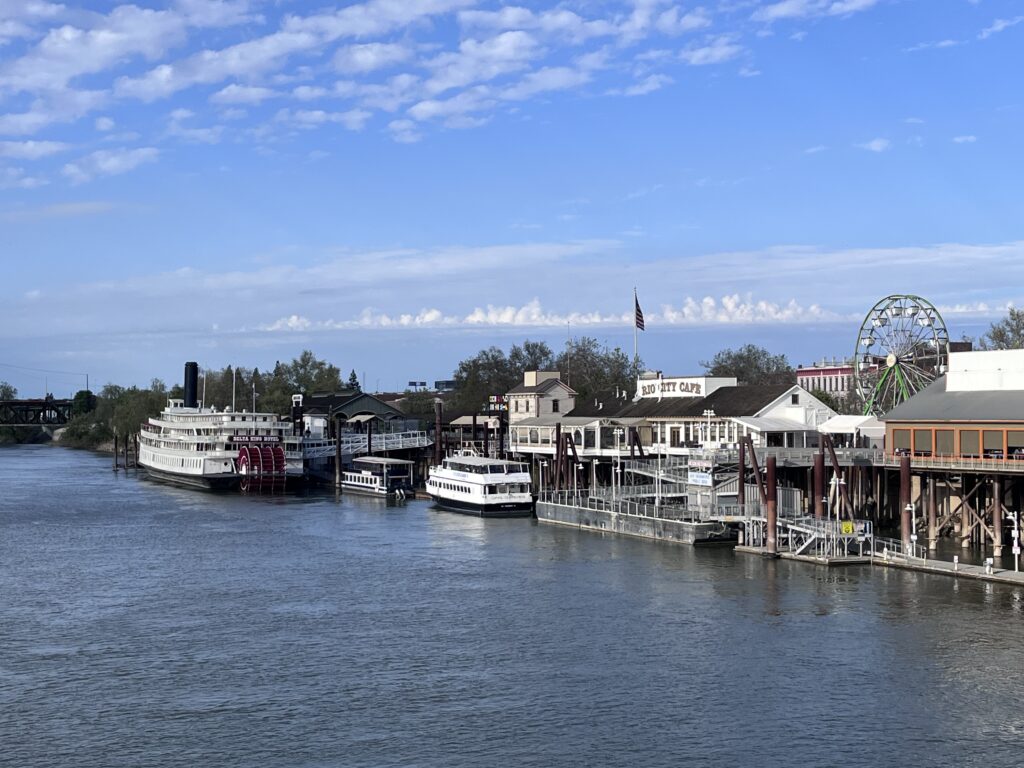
84,402
1008,333
353,382
751,364
8,391
532,356
593,370
307,374
486,373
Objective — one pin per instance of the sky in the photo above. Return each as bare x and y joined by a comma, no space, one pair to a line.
396,184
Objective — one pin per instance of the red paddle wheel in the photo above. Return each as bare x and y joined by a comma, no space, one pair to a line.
261,467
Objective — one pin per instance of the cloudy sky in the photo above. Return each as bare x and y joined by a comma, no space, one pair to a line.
397,183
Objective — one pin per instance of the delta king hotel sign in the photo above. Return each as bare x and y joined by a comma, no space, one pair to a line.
680,386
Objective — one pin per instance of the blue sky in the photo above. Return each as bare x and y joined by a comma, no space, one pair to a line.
396,183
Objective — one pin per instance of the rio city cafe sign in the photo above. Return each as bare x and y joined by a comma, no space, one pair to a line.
679,387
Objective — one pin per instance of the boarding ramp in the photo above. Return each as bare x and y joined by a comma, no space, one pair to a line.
354,444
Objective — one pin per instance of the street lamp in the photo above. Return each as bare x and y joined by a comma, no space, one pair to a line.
542,463
617,432
708,413
575,485
913,526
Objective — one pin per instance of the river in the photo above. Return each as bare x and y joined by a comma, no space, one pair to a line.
142,625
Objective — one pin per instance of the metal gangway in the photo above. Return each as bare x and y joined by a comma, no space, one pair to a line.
355,443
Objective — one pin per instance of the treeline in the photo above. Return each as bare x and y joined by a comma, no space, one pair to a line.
120,410
592,369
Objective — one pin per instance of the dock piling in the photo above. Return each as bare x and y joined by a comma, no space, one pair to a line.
772,516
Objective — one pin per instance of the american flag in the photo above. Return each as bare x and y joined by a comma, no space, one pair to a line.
639,312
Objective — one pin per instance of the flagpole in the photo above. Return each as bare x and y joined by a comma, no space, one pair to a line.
635,301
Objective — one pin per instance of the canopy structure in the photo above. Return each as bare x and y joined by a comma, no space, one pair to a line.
868,426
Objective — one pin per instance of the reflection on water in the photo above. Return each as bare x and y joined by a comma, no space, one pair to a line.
145,625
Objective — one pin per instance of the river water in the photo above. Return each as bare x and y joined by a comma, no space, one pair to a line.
141,625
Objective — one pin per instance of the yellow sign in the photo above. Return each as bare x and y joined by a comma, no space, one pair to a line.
846,527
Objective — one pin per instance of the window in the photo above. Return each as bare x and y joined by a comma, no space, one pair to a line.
554,406
794,399
517,406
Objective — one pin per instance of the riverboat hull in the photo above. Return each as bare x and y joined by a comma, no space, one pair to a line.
501,509
203,482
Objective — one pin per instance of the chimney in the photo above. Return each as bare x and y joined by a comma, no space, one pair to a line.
191,385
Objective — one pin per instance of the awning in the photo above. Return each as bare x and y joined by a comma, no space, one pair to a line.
481,421
847,425
362,417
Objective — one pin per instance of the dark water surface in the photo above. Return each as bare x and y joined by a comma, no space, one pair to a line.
142,625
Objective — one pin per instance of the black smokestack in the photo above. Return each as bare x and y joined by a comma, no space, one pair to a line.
191,385
297,414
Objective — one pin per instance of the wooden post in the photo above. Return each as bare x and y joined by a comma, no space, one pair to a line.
772,516
997,516
472,440
115,451
933,513
337,458
819,483
741,476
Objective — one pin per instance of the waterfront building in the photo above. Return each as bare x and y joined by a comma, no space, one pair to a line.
783,416
833,377
975,411
542,393
349,410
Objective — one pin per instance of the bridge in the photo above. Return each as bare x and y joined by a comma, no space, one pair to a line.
41,412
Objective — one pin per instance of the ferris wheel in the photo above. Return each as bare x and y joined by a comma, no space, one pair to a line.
902,347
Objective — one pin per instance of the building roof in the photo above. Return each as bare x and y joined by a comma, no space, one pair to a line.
349,403
726,402
934,403
847,425
573,420
773,424
544,386
602,405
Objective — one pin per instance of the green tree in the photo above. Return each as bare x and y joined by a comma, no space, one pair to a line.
751,364
1007,333
8,391
307,374
486,373
353,382
84,402
531,356
593,370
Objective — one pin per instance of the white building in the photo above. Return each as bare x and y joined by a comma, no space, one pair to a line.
542,393
834,378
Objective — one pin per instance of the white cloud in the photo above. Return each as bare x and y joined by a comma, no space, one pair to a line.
556,22
732,309
815,149
68,52
104,124
242,94
404,131
353,119
716,51
876,145
196,135
216,13
478,61
649,84
297,35
998,26
964,139
31,150
16,178
545,80
369,57
109,163
803,9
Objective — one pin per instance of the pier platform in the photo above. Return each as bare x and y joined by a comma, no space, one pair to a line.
827,560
